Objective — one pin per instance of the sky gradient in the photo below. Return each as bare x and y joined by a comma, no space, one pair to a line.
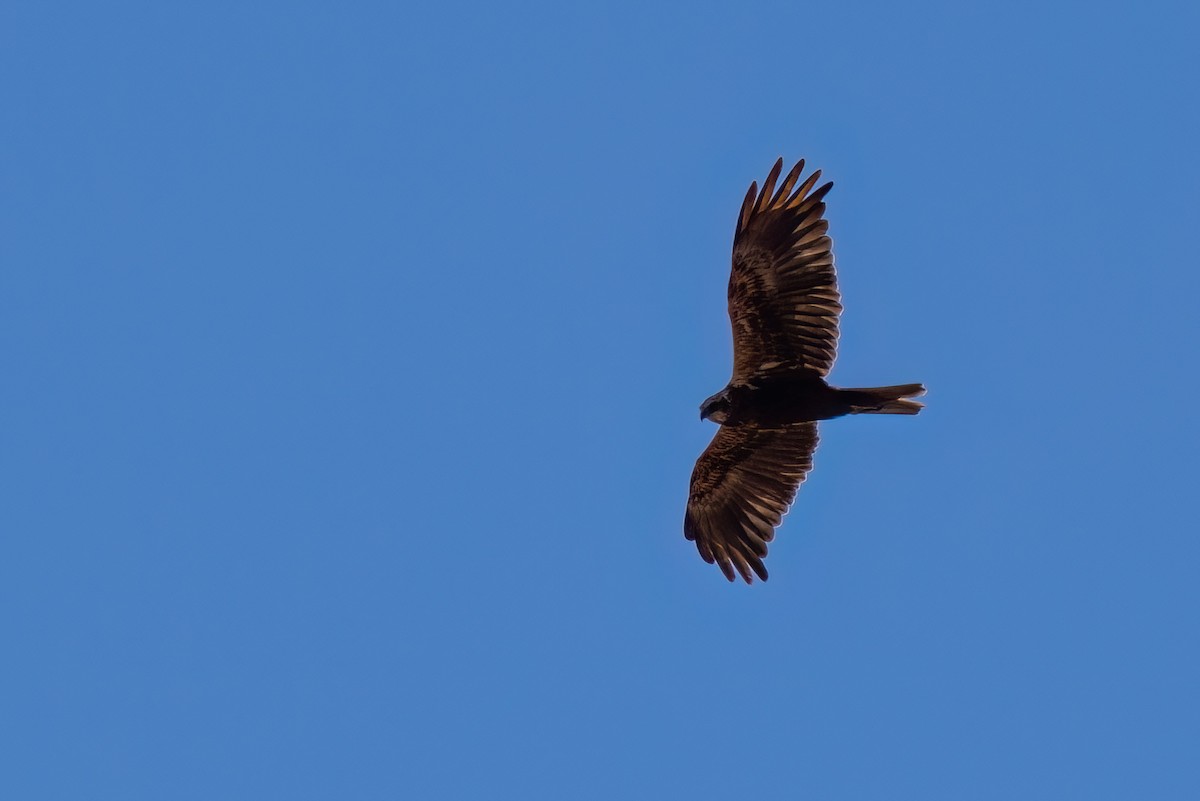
352,359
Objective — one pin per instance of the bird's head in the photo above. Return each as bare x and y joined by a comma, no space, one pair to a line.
716,408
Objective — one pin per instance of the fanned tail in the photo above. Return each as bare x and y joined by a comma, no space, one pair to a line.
885,400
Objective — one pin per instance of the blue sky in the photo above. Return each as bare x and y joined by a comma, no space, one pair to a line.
352,358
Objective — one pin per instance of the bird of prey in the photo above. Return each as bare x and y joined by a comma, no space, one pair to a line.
784,306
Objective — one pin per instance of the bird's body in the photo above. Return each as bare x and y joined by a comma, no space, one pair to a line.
784,397
784,306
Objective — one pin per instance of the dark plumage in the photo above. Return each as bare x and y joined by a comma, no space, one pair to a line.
784,306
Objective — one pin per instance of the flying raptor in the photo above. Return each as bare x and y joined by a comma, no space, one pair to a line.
784,306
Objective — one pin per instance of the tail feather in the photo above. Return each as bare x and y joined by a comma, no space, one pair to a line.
886,400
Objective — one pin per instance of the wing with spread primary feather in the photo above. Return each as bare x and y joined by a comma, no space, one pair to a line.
783,297
741,487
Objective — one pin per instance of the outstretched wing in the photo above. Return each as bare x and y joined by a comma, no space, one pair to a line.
783,297
743,484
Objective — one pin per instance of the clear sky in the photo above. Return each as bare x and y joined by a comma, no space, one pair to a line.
351,363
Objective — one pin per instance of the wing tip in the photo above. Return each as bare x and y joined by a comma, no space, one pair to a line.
768,199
